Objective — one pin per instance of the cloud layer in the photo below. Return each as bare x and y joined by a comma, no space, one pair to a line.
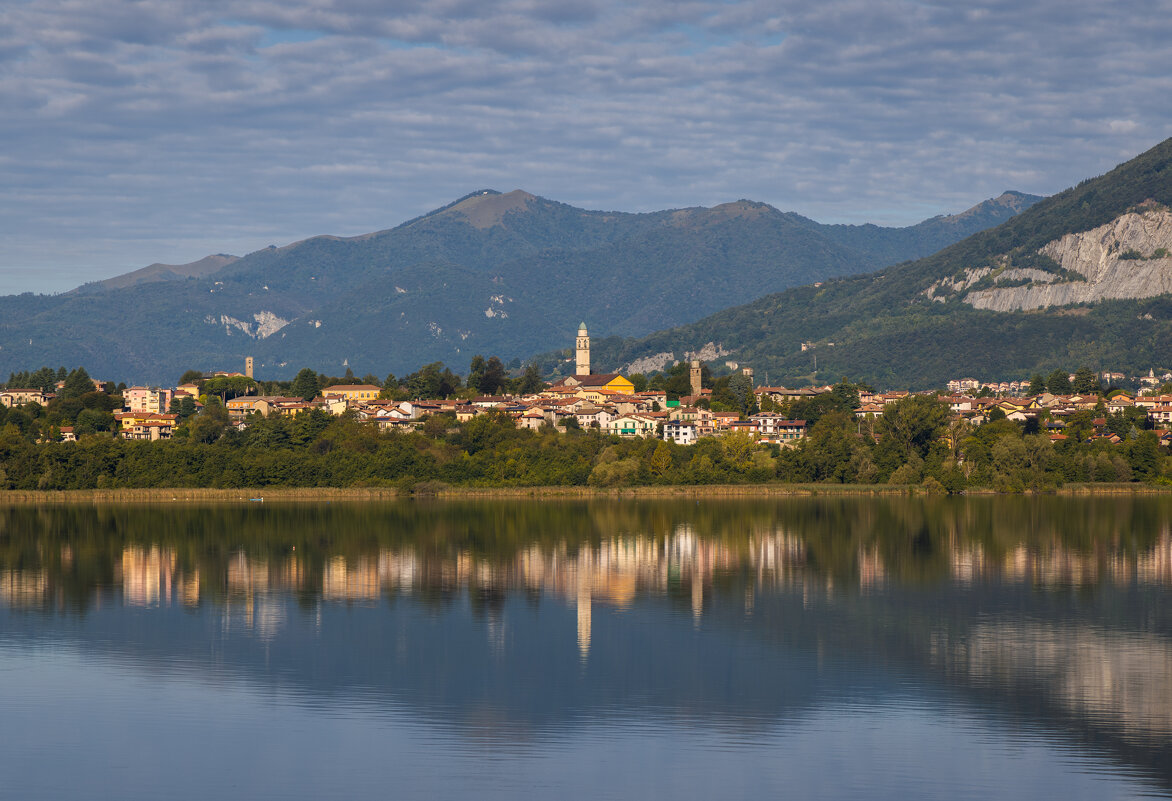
162,130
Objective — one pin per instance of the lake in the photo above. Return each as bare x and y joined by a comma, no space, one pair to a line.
812,648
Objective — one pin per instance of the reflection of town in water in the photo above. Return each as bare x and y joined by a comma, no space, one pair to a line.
612,572
1119,678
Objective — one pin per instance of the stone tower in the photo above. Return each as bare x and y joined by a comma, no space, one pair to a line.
248,366
583,347
694,374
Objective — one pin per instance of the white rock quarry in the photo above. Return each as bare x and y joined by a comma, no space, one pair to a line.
950,285
1095,254
266,324
708,352
650,364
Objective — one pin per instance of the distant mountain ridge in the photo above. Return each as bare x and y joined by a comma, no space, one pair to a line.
507,274
1080,278
159,272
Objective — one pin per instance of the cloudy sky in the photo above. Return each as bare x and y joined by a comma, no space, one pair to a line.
135,131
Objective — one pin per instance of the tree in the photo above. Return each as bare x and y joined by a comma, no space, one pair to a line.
1143,456
392,390
661,459
494,376
1058,383
846,394
829,447
1079,426
209,425
77,383
185,407
740,387
91,420
531,381
1037,384
305,385
1086,382
476,372
678,380
812,409
912,424
190,377
737,447
228,387
432,381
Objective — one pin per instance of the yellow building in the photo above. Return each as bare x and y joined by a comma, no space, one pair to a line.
352,392
609,381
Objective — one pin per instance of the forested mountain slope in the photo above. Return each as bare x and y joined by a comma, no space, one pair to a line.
917,325
505,274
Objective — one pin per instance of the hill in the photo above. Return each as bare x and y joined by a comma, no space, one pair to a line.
505,274
1088,268
159,272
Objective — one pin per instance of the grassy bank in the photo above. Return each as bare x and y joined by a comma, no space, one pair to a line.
368,494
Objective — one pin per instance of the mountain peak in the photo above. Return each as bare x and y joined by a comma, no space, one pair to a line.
487,208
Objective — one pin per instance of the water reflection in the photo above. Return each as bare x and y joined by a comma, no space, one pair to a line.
612,552
1045,613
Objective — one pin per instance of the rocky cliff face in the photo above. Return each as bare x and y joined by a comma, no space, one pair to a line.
1130,257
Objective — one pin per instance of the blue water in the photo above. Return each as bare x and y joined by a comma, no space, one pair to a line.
669,663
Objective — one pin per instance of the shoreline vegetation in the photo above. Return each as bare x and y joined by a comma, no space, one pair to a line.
554,493
915,446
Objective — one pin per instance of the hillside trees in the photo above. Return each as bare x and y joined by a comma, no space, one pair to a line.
305,385
1058,383
1086,382
909,427
77,383
530,382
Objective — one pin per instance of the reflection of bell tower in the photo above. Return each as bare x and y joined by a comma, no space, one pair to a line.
695,376
584,602
583,348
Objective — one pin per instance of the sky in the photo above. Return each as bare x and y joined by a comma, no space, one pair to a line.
141,131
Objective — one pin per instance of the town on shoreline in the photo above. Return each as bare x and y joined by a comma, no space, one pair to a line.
1050,430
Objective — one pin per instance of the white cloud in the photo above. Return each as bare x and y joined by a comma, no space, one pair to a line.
161,130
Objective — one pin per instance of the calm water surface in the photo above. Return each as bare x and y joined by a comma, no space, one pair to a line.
801,648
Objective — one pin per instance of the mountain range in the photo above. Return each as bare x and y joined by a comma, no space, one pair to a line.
1078,279
497,274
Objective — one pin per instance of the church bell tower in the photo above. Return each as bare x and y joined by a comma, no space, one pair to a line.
582,346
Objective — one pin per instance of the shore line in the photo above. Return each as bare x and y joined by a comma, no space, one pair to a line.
368,494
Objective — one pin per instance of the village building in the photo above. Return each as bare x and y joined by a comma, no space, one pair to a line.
352,392
722,420
19,397
532,419
775,428
610,381
265,405
1161,416
146,399
631,425
680,432
146,425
